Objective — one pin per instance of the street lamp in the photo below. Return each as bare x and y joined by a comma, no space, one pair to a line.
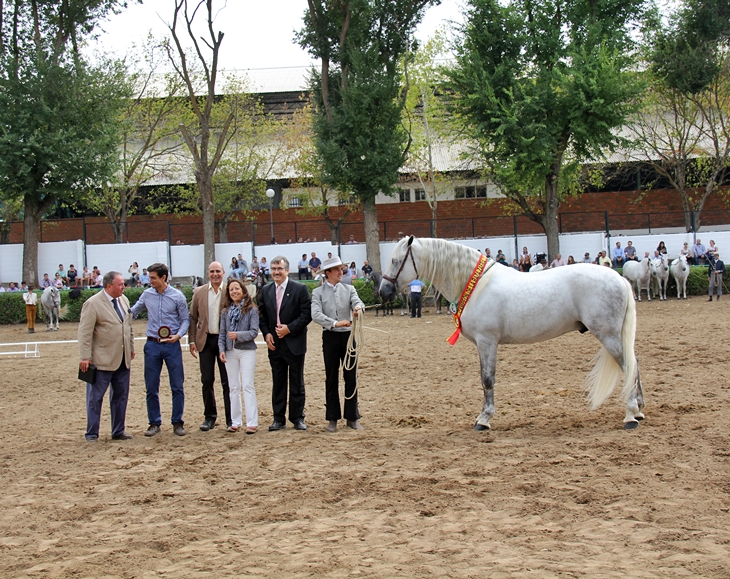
270,194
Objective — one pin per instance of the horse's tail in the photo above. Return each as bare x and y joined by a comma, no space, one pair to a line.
606,372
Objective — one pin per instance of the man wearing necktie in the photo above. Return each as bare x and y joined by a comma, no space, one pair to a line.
106,340
285,310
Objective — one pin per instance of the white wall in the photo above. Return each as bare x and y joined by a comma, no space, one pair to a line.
119,256
49,256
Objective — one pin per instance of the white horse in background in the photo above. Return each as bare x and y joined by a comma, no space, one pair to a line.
660,276
680,273
639,273
51,302
509,307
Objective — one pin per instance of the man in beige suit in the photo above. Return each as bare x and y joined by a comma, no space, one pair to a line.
107,341
205,325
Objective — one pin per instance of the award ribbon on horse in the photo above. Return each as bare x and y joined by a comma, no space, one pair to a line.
481,268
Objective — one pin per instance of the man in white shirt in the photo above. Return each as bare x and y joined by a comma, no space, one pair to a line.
204,328
558,261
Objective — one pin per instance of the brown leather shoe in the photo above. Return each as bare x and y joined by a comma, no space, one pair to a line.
178,429
354,424
123,436
152,430
332,426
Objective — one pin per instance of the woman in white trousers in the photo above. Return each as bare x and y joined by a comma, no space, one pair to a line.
239,327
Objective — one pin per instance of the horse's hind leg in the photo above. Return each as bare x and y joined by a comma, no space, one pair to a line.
488,365
635,403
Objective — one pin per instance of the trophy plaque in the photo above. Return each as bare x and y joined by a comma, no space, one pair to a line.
164,332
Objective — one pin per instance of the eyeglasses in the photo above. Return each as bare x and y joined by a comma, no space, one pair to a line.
278,269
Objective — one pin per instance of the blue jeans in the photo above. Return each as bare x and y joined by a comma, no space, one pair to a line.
154,355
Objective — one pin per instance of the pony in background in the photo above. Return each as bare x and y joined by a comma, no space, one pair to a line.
660,276
680,273
51,302
639,273
508,307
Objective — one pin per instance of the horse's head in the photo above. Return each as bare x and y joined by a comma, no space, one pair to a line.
682,262
400,270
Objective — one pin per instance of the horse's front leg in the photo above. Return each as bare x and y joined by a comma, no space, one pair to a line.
488,365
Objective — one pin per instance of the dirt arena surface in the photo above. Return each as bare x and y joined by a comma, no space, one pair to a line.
552,491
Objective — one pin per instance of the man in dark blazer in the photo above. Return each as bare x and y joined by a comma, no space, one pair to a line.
106,340
205,310
285,310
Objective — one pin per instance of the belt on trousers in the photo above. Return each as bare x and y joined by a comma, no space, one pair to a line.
157,340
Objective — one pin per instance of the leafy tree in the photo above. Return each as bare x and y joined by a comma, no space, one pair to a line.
425,118
58,113
357,95
315,197
208,132
541,86
684,121
150,147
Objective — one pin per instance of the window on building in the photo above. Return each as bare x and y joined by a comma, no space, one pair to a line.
347,201
295,202
420,194
470,192
405,195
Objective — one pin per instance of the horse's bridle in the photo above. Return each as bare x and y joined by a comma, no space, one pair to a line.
394,280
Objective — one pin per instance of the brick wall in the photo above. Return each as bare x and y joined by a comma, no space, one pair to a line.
458,218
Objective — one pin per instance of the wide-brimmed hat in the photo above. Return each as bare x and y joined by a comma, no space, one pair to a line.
331,262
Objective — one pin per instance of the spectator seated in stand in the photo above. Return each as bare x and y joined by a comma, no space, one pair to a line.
58,282
571,261
72,275
144,279
45,282
699,253
618,255
630,252
587,258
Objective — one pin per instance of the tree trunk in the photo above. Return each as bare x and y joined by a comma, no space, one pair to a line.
206,198
5,232
222,225
372,234
550,223
31,219
118,229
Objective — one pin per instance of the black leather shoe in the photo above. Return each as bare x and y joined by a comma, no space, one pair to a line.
207,425
277,426
123,436
299,425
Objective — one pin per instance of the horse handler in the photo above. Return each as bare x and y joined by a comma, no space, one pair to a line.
333,306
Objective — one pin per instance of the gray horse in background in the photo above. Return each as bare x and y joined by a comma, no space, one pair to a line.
51,302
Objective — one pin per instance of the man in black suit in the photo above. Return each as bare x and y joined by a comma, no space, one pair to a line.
285,310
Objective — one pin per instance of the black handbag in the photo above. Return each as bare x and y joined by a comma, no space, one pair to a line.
88,376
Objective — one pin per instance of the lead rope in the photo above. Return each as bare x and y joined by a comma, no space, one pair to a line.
355,344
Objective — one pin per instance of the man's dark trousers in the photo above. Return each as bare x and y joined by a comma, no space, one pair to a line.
208,359
289,365
416,305
334,348
119,381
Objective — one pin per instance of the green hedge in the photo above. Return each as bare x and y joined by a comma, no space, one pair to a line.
12,306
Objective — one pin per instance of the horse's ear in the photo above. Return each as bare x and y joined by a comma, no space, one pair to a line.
410,240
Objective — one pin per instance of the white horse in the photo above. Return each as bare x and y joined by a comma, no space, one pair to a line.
660,276
509,307
680,273
639,273
51,302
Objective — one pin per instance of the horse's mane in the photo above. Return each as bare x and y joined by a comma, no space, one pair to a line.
446,264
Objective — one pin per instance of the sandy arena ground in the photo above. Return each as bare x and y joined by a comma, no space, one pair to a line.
554,490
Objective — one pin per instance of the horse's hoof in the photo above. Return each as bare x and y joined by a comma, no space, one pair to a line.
632,425
480,427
